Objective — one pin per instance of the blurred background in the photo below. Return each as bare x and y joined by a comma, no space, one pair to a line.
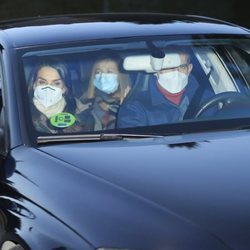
236,11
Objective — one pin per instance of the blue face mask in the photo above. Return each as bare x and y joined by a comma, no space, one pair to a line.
106,82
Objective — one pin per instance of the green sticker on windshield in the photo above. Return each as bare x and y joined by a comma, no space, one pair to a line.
62,120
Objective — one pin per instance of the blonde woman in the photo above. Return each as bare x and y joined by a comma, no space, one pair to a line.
107,88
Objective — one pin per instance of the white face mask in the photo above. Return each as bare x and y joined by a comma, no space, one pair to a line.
48,95
106,82
173,81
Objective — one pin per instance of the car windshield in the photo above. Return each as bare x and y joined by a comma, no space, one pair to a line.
136,85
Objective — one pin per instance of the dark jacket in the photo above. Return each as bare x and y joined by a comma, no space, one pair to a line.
151,107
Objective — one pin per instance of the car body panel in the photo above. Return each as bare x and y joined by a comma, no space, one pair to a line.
209,192
77,28
145,199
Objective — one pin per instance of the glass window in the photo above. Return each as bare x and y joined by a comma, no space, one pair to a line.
135,83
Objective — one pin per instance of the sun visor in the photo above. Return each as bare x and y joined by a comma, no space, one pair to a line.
151,64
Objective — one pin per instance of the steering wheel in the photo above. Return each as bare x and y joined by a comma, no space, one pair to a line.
226,99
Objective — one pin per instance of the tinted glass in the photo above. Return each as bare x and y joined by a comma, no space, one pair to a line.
136,83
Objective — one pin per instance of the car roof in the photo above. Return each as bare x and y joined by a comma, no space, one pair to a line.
71,28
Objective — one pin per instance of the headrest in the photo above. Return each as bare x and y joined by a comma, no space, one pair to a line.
151,64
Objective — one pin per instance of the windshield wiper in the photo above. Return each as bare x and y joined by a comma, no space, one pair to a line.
92,137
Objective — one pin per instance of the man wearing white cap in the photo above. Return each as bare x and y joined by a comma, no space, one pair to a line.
168,95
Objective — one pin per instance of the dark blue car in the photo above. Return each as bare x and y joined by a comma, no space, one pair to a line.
124,131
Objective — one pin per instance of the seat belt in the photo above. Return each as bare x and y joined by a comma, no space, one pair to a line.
194,103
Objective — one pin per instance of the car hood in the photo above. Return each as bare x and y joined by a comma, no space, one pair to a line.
177,191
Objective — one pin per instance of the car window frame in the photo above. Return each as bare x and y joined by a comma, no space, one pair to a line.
20,52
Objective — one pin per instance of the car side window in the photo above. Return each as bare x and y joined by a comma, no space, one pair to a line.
240,59
217,75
